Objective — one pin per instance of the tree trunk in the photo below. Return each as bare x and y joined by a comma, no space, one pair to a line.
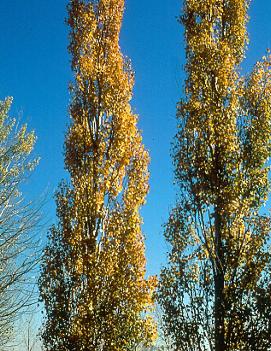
219,309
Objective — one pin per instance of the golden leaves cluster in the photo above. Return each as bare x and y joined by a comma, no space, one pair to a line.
110,298
221,157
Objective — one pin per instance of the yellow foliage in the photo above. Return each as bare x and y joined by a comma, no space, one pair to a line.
218,228
110,298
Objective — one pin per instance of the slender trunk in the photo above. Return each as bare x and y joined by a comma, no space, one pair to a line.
219,309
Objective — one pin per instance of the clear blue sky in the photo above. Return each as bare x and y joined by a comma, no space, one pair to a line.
35,70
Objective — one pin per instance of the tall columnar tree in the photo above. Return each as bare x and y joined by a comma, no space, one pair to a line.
17,221
215,291
93,275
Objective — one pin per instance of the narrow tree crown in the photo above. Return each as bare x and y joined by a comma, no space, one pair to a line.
219,235
101,241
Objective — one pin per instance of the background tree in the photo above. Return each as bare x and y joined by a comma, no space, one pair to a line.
18,252
215,292
92,281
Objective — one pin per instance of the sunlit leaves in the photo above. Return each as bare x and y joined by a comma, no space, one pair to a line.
219,233
17,220
93,282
